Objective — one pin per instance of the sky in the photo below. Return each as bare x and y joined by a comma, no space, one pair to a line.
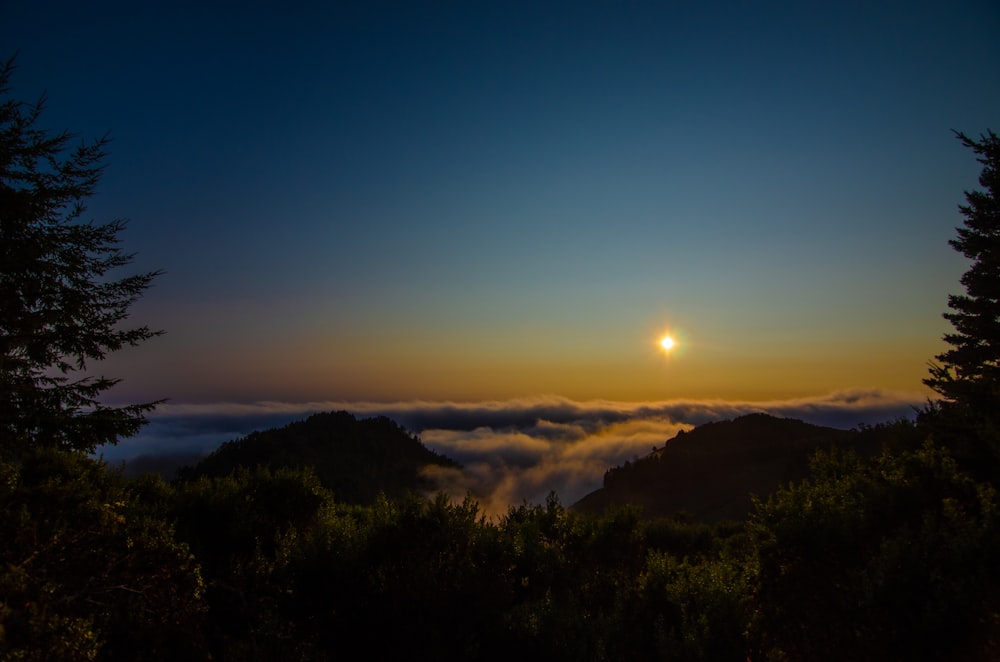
381,203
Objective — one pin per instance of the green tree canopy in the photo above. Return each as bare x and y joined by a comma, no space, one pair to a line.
89,568
59,308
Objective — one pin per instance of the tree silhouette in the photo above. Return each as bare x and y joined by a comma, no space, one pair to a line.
59,309
967,375
971,367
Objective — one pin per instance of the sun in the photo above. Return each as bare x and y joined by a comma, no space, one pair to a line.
667,343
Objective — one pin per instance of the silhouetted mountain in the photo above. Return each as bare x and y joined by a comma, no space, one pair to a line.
356,459
711,470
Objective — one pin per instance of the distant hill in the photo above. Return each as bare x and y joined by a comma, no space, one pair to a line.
710,471
354,458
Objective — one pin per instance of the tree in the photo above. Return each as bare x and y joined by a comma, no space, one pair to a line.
59,309
969,372
892,558
90,567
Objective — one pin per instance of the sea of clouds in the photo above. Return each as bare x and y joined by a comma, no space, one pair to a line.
512,451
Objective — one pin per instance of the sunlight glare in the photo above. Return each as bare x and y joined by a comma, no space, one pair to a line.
667,343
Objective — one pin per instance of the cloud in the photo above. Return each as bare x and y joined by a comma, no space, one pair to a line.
504,468
511,450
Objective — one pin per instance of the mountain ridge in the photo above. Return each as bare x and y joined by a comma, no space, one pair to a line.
355,458
711,471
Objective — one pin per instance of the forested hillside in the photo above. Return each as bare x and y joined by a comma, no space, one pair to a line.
711,471
355,459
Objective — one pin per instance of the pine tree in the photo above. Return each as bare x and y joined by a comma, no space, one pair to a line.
967,375
59,308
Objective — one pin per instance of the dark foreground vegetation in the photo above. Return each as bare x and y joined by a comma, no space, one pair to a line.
893,557
884,551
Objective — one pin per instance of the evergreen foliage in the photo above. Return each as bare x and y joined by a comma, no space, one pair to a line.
967,375
59,310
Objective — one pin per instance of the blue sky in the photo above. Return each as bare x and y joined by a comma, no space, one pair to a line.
486,200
